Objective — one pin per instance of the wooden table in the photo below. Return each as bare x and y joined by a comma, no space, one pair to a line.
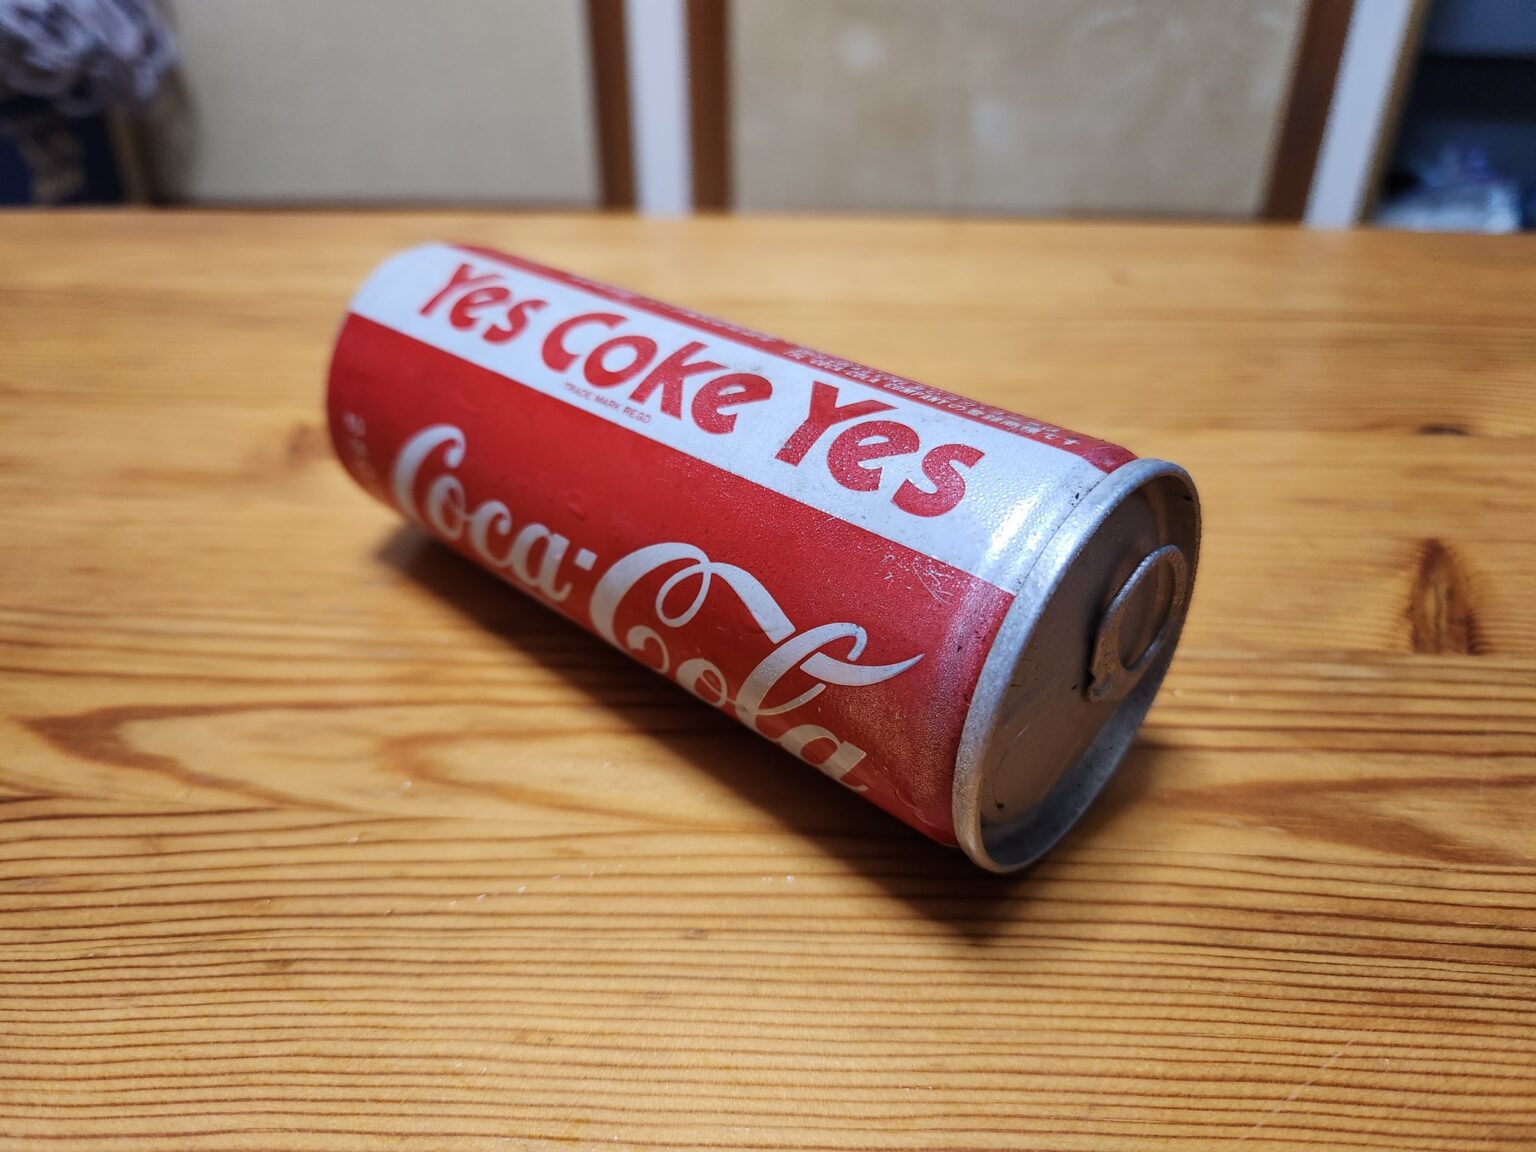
316,838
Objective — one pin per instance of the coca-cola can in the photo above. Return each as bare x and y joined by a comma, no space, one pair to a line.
960,613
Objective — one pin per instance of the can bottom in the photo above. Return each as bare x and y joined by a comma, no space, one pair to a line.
1076,664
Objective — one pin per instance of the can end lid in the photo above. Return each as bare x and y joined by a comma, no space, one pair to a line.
1076,664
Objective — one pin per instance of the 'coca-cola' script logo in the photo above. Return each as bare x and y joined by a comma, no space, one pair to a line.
425,484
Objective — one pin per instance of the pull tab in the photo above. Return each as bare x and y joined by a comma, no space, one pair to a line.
1112,673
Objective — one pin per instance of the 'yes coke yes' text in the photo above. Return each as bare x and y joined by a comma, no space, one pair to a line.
611,351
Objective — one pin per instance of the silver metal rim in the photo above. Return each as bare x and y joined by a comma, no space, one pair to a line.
1079,784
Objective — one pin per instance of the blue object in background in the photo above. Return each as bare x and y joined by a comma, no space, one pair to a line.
1466,152
49,158
63,65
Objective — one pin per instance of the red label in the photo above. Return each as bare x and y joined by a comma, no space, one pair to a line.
851,650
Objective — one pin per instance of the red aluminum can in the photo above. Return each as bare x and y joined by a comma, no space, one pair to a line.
960,613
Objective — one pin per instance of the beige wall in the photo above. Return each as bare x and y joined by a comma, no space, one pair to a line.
381,100
1077,106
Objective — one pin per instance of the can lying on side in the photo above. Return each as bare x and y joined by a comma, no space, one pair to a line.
960,613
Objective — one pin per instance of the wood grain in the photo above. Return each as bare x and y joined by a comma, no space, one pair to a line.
709,103
1314,72
313,837
610,102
